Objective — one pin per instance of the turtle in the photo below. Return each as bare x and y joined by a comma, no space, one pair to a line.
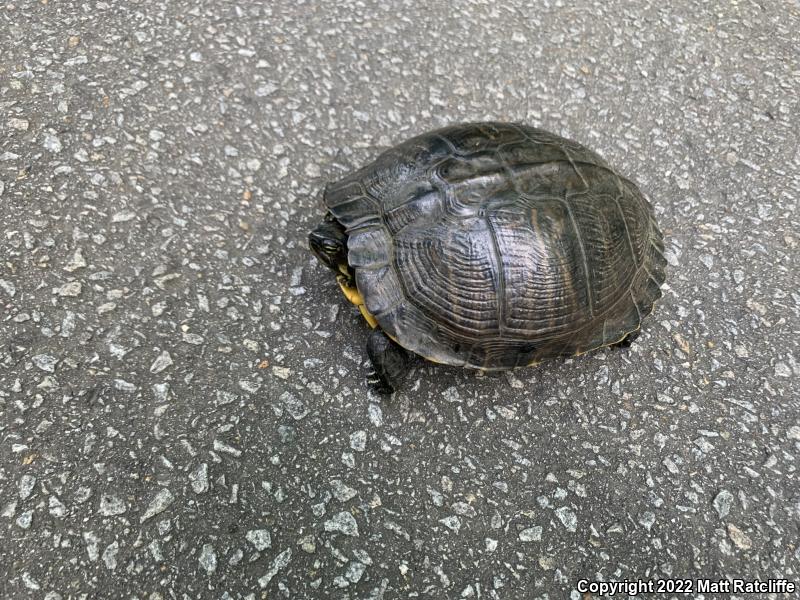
490,246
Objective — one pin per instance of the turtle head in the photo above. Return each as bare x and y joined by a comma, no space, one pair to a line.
328,241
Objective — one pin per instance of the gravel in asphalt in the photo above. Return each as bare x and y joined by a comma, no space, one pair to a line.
183,406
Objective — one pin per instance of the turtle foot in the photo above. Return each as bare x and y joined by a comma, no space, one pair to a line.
389,363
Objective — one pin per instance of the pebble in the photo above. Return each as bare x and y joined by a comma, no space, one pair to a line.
452,522
75,262
71,289
342,522
294,406
8,286
198,479
162,362
260,539
112,505
281,562
531,534
18,124
722,503
342,492
25,519
567,517
739,538
160,502
208,559
25,486
647,519
110,555
358,441
92,545
52,143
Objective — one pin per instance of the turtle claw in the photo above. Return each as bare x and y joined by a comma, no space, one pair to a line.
389,363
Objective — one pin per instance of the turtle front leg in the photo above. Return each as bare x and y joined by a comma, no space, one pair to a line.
389,363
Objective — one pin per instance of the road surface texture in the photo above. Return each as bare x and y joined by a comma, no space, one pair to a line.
183,407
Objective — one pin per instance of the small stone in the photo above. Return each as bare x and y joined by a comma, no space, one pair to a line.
76,262
452,522
30,582
463,509
71,289
343,522
647,519
354,571
307,544
221,446
159,504
342,492
52,143
723,503
794,433
375,415
739,538
260,539
281,372
45,362
92,545
106,308
112,505
531,534
568,518
286,433
548,563
110,555
8,287
266,89
199,479
224,398
208,559
281,561
56,507
123,216
25,519
18,124
163,361
358,441
294,405
25,486
193,339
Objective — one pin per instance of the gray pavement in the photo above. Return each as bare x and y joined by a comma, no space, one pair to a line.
183,408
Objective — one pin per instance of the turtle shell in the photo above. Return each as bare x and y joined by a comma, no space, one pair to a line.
494,245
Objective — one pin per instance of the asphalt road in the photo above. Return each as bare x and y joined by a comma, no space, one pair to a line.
183,407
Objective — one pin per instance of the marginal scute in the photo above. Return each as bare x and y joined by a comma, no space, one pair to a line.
495,245
380,288
368,249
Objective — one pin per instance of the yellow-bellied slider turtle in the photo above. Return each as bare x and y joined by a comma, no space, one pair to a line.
492,246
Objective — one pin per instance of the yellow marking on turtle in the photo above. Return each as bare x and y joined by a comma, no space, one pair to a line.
354,296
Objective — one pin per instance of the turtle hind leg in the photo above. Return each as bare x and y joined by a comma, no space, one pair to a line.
627,340
389,363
